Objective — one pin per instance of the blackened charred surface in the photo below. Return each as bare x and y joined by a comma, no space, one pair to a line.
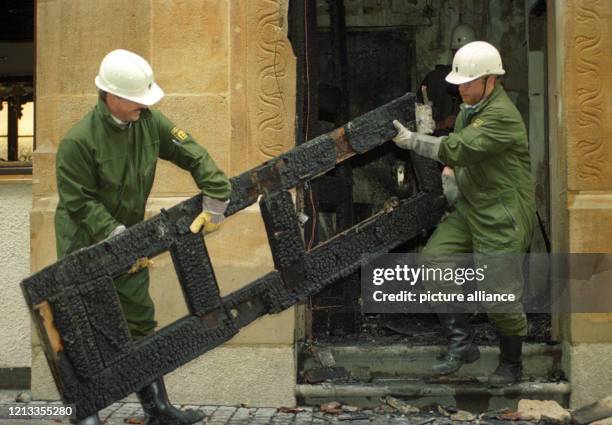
424,330
154,356
277,297
341,255
111,335
428,174
337,311
320,154
72,322
284,235
365,132
195,274
309,159
93,373
265,295
111,257
267,177
331,192
244,193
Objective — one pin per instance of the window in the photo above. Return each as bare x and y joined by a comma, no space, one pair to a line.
16,128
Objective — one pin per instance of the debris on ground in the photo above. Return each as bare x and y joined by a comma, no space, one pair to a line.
325,357
333,408
606,421
401,406
446,410
384,409
545,410
510,416
24,397
322,374
353,417
290,410
423,329
601,409
463,415
133,420
350,409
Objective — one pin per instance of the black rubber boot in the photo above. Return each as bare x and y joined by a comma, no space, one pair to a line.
461,349
90,420
159,411
510,367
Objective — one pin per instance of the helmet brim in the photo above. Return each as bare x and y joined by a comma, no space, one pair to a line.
151,98
154,95
458,79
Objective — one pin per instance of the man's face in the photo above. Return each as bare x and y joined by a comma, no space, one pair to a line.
472,92
124,109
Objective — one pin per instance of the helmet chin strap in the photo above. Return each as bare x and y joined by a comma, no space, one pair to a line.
484,89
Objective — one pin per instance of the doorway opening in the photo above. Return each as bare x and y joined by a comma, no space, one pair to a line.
354,56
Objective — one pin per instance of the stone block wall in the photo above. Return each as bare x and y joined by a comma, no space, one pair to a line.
228,71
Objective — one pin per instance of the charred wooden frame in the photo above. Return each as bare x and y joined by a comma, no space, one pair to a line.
75,306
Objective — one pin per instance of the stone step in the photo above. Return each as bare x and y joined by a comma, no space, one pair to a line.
469,395
365,362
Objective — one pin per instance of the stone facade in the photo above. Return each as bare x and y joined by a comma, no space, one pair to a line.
581,178
229,74
228,71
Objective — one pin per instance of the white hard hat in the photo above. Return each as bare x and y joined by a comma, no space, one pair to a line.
475,60
462,34
127,75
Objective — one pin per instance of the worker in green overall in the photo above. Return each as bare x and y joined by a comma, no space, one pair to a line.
105,167
494,213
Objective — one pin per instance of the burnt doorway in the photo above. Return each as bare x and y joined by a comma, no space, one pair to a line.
371,179
362,54
347,72
366,53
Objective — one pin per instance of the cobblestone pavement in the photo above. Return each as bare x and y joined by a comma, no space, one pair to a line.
131,413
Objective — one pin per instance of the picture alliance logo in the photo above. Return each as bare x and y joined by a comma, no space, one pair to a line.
412,275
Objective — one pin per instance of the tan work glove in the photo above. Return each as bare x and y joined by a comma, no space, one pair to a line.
211,217
141,263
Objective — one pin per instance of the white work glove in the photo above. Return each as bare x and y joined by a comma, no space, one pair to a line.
449,186
119,229
211,217
422,144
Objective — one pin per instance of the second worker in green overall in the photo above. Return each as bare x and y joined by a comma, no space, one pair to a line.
494,214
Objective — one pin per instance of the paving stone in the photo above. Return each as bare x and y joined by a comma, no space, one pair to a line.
548,410
599,410
241,416
108,411
127,410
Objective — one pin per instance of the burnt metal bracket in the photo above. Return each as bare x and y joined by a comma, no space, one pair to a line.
96,363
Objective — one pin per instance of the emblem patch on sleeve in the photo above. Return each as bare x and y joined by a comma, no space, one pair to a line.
477,123
179,134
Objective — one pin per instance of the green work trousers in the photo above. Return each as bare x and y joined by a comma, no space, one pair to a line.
136,303
455,235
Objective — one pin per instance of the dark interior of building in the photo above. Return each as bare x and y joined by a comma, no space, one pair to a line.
354,56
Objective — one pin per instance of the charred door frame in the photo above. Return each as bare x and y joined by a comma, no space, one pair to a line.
75,307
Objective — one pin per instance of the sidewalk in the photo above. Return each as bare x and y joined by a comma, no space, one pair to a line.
122,413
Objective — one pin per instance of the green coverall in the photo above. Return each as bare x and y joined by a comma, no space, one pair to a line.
104,176
489,153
